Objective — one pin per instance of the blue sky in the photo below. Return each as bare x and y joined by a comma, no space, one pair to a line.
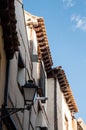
65,22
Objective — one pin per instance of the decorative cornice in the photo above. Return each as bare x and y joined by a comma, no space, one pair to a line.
37,23
65,88
43,44
67,92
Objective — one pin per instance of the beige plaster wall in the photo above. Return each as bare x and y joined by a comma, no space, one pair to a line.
64,112
50,102
31,35
59,107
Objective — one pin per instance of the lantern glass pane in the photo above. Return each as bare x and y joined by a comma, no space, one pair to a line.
29,94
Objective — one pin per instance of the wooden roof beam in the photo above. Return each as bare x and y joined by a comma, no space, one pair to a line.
64,90
62,85
45,53
45,56
43,48
60,77
66,96
48,67
61,80
47,64
40,38
46,60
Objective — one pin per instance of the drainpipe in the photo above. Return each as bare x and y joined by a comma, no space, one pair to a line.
29,119
55,105
5,90
6,83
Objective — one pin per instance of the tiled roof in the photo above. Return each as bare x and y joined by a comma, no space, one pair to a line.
65,88
43,46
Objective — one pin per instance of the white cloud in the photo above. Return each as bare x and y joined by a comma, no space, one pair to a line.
79,22
68,3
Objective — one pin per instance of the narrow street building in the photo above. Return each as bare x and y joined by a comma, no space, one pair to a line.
61,115
26,67
25,60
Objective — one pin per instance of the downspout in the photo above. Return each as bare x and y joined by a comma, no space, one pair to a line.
55,105
5,90
6,83
29,119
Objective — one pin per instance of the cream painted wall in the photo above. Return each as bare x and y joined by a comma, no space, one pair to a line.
31,34
67,114
64,112
23,37
50,102
59,107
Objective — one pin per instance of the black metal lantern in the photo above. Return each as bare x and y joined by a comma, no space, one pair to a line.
29,90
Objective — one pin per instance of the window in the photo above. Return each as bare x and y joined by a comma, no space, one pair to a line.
31,49
42,81
21,71
42,128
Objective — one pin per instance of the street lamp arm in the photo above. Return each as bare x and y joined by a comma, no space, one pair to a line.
5,112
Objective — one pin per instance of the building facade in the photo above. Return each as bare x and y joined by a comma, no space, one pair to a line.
61,115
24,56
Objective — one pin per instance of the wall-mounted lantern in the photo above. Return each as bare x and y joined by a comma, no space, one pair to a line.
29,91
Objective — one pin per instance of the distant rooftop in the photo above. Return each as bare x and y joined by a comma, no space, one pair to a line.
66,89
43,47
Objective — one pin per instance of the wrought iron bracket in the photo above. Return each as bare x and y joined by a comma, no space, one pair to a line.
5,112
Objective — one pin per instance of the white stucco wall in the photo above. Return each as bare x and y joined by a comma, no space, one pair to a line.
64,112
23,37
59,107
50,102
31,34
15,94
